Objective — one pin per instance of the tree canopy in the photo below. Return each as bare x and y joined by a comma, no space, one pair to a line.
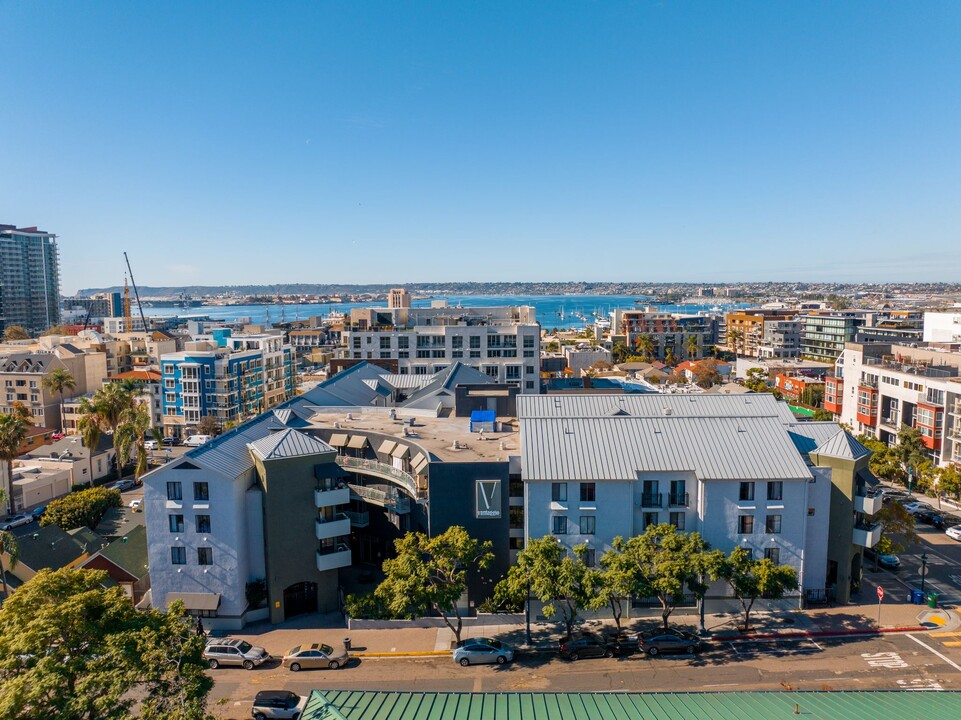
81,508
750,579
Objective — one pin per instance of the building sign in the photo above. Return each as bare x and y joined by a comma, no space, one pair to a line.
487,495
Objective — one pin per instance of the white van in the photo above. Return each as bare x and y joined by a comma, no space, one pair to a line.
197,440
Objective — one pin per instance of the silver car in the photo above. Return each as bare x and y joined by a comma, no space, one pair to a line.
240,653
9,523
478,651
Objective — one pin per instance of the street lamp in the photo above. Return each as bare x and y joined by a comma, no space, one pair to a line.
924,567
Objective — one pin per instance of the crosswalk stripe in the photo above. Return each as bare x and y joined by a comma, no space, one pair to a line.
952,644
946,634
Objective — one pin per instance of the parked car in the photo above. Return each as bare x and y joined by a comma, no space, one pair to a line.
316,655
197,440
654,642
135,504
38,512
942,521
479,651
151,445
277,704
170,441
891,562
14,521
124,485
915,507
926,516
954,532
230,651
588,645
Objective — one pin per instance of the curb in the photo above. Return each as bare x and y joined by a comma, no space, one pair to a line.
401,653
826,633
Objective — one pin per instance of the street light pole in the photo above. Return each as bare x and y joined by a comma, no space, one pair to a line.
924,567
527,613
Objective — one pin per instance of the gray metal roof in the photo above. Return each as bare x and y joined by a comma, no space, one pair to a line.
288,444
842,445
653,405
619,447
808,435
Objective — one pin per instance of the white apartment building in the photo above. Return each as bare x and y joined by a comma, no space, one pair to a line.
501,342
878,387
942,327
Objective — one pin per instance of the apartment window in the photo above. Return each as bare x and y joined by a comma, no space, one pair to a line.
588,525
773,554
403,342
648,519
513,372
678,520
174,491
772,524
559,524
205,556
203,523
515,543
475,342
385,343
745,524
588,492
178,556
201,491
559,492
529,341
529,385
775,490
420,369
590,557
517,518
747,492
176,523
457,341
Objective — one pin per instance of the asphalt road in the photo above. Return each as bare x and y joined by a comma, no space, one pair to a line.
906,661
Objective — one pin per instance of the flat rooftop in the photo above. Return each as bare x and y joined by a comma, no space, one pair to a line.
436,435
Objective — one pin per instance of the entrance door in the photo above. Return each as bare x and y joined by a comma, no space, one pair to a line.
299,599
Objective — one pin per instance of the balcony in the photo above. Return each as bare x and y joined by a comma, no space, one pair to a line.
677,500
392,499
330,498
337,526
868,505
893,421
867,535
652,500
358,519
385,471
333,557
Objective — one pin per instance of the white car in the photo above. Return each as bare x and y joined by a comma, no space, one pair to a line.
916,507
135,503
954,532
15,521
151,445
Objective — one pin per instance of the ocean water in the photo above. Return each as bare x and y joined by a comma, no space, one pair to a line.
560,311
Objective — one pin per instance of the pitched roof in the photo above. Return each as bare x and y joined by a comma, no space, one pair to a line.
129,552
50,547
808,435
288,443
119,521
654,405
842,445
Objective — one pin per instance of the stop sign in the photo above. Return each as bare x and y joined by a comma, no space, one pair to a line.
880,593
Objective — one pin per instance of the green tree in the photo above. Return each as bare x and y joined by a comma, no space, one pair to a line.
692,347
645,345
74,650
105,412
562,581
751,579
821,415
909,451
897,529
131,441
670,564
432,573
15,332
620,353
11,548
621,578
22,411
208,425
949,481
734,338
82,508
670,358
58,381
757,380
13,431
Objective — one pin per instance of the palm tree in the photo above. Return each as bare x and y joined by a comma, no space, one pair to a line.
105,412
669,357
56,382
733,336
645,343
691,346
13,431
130,438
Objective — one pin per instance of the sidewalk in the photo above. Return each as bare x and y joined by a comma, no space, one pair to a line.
897,615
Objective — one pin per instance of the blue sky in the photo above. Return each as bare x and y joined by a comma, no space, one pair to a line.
227,142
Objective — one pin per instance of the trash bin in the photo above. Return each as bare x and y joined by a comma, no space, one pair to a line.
917,597
347,644
932,600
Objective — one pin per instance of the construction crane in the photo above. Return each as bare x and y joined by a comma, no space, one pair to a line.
127,318
133,282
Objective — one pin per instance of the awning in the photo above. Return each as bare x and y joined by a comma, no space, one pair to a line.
357,442
387,446
195,601
400,451
337,440
146,602
419,462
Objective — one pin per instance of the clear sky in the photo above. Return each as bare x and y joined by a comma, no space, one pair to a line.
226,142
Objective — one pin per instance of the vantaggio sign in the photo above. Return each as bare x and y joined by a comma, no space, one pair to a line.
487,495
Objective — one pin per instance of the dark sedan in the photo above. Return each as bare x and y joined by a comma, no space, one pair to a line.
588,645
654,642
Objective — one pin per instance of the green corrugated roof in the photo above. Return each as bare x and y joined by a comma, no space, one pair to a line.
877,705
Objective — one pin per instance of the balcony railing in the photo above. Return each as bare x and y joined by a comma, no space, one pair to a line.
867,534
332,497
652,500
393,501
337,526
333,557
385,471
358,519
677,500
868,505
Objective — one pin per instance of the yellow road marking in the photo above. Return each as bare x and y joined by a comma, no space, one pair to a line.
952,644
946,634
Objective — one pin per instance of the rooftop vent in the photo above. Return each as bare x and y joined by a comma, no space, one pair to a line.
350,416
666,410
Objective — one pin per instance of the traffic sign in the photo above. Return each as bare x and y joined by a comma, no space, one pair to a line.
880,593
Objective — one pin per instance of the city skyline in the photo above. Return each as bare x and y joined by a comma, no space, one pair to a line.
604,143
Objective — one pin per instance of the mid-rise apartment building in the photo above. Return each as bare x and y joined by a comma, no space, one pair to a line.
942,327
29,278
823,335
878,387
228,378
501,342
666,334
781,339
744,330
